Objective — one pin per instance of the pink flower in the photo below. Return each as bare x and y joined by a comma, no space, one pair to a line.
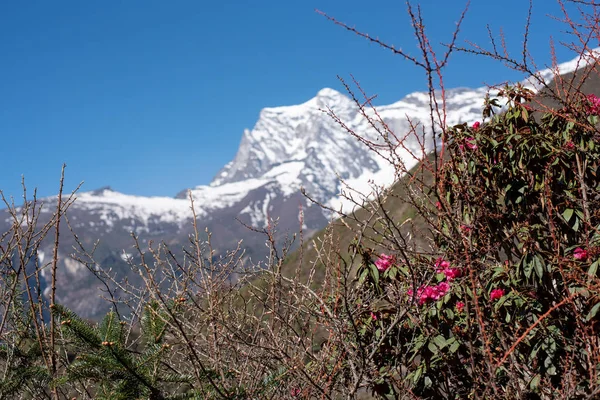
438,205
465,228
470,143
441,264
496,294
443,267
452,273
593,106
580,254
295,392
424,294
373,316
569,145
476,125
441,289
459,306
428,293
384,262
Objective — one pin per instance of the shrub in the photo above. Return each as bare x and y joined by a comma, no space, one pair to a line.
510,306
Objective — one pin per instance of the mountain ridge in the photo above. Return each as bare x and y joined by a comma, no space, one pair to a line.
289,148
291,151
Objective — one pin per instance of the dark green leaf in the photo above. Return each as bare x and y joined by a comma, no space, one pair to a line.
538,266
593,312
568,214
440,341
535,382
593,268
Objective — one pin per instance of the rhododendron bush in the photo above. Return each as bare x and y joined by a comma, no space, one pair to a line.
506,303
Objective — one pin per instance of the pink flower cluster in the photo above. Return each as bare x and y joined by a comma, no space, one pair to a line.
580,254
476,125
436,292
569,145
496,294
593,106
441,264
433,293
384,262
443,267
469,144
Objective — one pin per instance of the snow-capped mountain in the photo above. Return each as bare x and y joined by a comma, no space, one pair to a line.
301,146
305,147
289,148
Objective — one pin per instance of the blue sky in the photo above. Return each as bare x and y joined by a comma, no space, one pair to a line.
152,96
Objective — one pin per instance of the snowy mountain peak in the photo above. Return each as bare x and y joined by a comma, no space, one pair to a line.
284,134
328,92
332,99
325,98
300,146
581,61
101,191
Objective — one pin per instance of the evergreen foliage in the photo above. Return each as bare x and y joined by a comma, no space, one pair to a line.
105,361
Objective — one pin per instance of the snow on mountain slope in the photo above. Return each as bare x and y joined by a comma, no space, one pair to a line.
328,152
106,206
546,75
300,146
111,206
463,106
285,134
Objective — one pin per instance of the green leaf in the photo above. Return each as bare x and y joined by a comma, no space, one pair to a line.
454,345
432,347
427,382
375,274
568,214
417,375
538,266
534,352
363,276
593,312
576,225
593,268
527,265
440,341
391,273
535,382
